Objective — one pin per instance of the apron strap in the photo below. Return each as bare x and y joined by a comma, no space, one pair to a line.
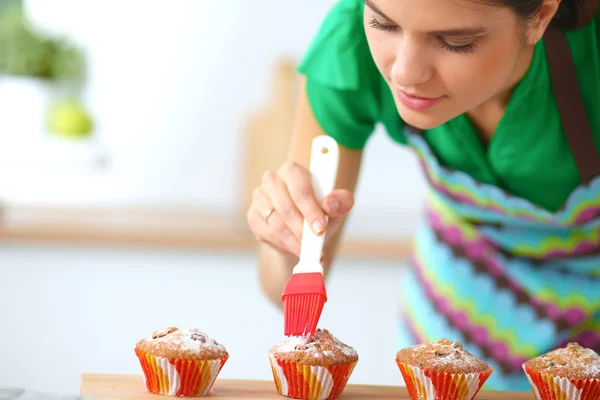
570,104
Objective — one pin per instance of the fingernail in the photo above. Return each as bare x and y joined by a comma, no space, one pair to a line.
317,227
333,205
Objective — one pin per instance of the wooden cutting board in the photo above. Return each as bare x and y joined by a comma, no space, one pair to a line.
131,387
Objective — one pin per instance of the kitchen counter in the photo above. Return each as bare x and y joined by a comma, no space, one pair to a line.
132,387
159,227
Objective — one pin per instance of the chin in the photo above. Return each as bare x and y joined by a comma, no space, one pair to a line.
423,120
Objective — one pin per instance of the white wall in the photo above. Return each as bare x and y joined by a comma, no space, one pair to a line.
66,310
171,85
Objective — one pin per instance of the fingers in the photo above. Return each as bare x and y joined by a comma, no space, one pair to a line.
285,200
277,192
269,226
299,185
338,203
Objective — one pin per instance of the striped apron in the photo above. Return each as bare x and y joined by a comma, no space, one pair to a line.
506,278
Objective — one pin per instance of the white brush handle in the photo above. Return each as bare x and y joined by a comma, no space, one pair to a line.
324,161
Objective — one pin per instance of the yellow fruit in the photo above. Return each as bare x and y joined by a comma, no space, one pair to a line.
69,118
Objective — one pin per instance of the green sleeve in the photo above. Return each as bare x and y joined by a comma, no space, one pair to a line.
343,83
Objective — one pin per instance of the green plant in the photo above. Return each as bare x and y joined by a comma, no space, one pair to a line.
25,52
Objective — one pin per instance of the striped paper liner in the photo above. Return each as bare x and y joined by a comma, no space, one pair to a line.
179,378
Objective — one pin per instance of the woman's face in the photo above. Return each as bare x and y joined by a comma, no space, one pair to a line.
442,58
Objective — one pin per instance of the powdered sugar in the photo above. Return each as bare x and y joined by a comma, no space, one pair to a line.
315,345
572,361
292,343
185,339
442,355
321,349
593,369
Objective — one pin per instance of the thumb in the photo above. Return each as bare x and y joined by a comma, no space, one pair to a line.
338,203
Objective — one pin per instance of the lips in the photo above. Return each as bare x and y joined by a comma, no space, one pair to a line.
415,102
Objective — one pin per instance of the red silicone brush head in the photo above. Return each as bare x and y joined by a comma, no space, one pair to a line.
303,299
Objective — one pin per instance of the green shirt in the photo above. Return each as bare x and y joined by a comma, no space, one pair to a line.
528,155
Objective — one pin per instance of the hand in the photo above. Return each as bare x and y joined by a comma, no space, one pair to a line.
285,199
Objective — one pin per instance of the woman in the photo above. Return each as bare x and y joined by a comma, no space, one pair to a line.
500,100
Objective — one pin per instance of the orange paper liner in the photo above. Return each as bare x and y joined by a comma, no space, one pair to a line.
423,384
310,382
548,387
179,378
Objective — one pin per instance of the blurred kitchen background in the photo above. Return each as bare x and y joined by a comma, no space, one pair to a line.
131,136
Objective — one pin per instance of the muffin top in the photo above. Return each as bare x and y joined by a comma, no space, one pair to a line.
323,349
182,343
443,356
573,361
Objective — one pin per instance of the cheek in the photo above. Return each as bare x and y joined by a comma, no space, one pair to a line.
383,53
481,74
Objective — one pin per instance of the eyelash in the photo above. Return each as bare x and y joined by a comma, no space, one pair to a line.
377,25
467,48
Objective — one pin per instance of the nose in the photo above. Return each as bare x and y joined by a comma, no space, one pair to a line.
412,65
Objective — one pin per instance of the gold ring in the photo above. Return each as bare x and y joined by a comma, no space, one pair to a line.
268,214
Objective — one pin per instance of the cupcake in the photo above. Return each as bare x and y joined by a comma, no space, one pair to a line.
442,370
568,373
180,362
312,368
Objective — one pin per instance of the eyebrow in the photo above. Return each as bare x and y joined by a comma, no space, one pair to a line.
467,31
477,31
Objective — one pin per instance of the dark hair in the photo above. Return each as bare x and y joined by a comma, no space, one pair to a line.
571,14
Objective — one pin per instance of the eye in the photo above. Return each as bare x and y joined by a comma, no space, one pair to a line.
465,48
382,27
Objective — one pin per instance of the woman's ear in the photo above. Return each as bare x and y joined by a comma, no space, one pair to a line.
540,23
